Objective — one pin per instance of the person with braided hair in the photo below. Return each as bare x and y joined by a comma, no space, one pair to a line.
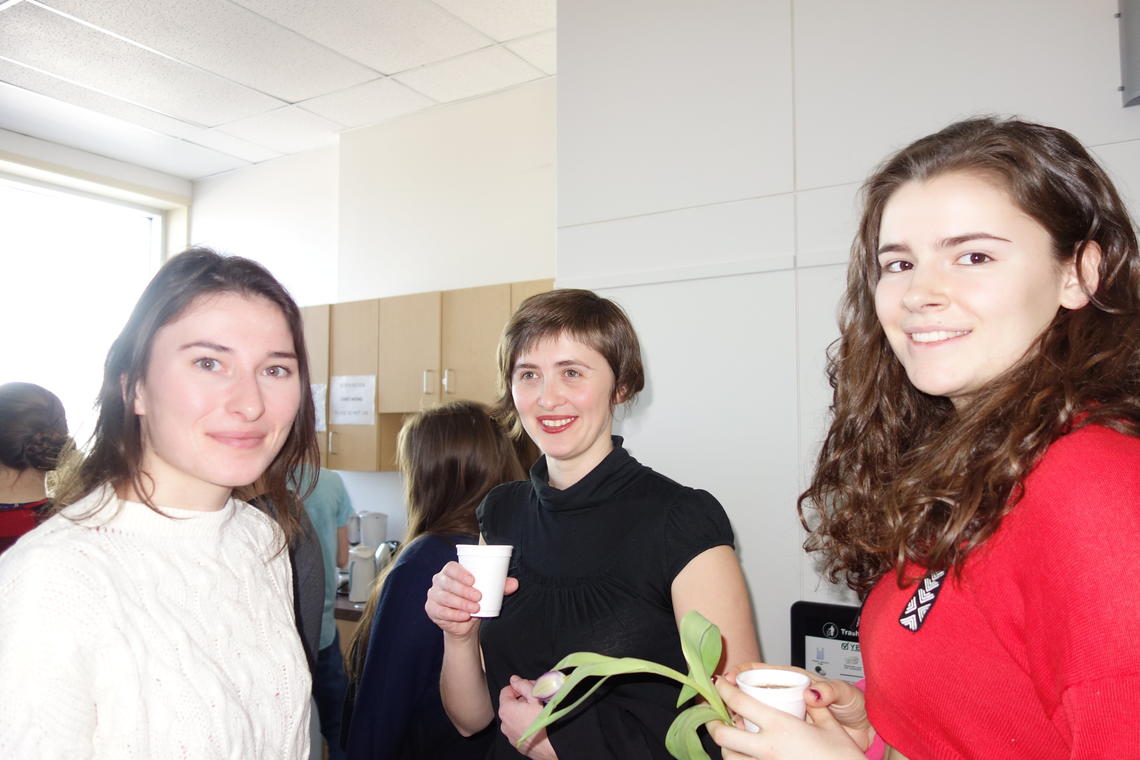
33,434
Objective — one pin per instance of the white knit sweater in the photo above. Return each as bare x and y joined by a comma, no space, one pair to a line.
133,635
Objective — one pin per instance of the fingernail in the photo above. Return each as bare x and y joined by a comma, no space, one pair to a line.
815,693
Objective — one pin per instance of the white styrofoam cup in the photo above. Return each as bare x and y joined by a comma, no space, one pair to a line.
488,563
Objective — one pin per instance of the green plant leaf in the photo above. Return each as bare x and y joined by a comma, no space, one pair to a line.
701,646
700,643
682,740
590,665
687,693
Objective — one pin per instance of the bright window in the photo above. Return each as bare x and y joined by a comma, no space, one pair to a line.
71,268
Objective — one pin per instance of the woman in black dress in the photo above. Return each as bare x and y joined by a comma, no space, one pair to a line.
608,554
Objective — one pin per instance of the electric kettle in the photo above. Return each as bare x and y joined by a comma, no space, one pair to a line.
361,572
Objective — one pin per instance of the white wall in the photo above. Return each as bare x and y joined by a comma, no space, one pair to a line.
282,213
709,154
455,196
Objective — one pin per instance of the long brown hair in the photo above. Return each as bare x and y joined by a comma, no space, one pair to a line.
903,476
115,455
450,457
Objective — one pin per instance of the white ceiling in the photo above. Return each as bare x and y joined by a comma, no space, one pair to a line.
197,87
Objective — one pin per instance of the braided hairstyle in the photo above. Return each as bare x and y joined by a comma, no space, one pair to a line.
33,427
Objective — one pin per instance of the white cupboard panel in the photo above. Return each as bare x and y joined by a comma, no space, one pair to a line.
719,413
666,105
724,238
873,76
826,221
818,291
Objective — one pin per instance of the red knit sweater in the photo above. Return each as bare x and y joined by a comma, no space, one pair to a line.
1035,651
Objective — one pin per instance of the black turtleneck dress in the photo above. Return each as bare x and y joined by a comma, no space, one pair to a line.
595,564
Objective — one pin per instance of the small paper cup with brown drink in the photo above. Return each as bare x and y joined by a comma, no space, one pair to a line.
782,689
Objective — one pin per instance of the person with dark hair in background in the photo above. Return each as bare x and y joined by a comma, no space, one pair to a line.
159,604
33,435
450,456
608,554
979,486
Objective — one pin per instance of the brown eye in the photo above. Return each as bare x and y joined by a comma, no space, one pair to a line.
974,258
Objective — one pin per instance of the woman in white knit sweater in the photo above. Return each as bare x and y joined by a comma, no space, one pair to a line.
152,616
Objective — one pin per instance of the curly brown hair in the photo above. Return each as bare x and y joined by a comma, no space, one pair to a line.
904,476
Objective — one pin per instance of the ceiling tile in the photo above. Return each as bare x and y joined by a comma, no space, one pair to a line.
32,114
65,48
69,92
387,35
226,39
368,103
473,74
504,19
286,130
218,140
62,90
540,51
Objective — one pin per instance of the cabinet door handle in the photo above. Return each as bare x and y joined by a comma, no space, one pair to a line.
332,451
427,381
447,381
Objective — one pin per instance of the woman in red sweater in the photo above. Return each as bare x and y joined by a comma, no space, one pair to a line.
979,486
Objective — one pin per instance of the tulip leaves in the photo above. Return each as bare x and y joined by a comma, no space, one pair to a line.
701,645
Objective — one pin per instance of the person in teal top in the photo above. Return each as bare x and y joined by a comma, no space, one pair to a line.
329,508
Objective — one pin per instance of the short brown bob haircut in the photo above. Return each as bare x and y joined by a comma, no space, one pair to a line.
587,318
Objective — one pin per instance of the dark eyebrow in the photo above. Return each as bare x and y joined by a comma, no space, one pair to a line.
220,349
957,240
563,363
206,345
893,248
950,242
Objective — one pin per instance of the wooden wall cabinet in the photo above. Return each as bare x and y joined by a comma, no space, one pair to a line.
437,347
472,320
354,349
409,373
423,349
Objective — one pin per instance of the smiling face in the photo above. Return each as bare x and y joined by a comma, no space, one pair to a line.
563,392
968,282
218,399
